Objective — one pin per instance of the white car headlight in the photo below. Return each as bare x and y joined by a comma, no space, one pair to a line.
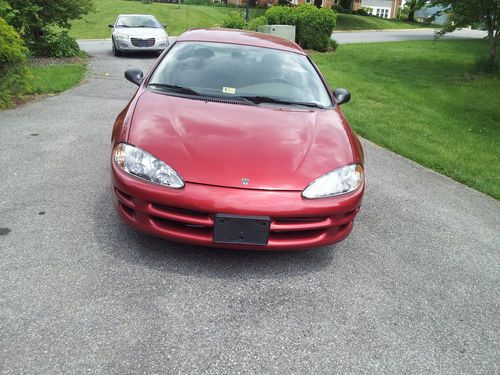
141,164
339,181
121,36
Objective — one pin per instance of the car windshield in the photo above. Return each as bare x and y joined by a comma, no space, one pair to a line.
137,21
260,75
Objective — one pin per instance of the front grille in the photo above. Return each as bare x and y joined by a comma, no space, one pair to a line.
197,224
136,42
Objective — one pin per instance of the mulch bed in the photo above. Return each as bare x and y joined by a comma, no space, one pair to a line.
44,61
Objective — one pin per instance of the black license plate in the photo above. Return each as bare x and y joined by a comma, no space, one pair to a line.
245,230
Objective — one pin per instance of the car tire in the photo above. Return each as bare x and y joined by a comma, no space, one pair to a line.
116,51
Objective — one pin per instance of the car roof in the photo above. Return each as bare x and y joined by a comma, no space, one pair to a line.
134,15
232,36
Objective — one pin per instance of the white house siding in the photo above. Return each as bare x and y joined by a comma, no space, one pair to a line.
379,8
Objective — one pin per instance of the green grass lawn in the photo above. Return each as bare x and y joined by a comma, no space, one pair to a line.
52,79
178,18
419,99
353,22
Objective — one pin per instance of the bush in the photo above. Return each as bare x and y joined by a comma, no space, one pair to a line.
56,45
233,21
254,24
13,71
337,8
280,15
315,26
361,12
332,45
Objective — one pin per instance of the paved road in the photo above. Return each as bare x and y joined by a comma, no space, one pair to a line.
399,35
413,290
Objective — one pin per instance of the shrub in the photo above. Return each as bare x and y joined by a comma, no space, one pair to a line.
315,26
337,8
13,71
56,45
280,15
332,45
254,24
361,12
233,20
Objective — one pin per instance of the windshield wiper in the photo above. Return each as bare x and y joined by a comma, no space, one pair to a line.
175,88
269,99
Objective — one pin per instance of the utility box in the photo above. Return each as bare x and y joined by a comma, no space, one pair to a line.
283,31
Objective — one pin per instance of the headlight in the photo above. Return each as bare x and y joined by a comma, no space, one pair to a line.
121,36
339,181
139,163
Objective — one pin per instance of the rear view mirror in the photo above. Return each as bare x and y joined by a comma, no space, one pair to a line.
164,26
342,96
111,26
135,76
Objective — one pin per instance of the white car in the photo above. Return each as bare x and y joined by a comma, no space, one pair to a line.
138,33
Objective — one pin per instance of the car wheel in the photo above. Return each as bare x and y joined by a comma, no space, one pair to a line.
116,52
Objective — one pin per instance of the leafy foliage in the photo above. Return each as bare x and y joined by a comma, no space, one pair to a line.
12,64
56,45
35,20
254,23
337,8
233,20
412,6
314,26
463,13
281,15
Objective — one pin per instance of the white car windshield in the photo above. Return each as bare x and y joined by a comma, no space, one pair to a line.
258,74
137,21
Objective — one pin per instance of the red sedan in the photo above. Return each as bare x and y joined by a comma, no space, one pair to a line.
234,140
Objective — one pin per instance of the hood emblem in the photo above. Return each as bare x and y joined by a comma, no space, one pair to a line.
245,181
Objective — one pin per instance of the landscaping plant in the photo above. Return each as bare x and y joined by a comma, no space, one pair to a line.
12,64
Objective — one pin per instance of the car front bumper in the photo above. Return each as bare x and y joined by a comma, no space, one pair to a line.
140,45
187,215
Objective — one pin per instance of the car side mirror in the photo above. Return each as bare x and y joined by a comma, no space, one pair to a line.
135,76
111,26
164,26
342,96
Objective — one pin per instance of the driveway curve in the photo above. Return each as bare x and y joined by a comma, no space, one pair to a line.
413,290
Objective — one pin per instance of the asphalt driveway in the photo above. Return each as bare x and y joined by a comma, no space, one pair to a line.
414,289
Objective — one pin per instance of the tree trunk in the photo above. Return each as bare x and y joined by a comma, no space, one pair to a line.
493,46
411,13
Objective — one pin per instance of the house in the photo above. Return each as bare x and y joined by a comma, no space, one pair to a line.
428,13
380,8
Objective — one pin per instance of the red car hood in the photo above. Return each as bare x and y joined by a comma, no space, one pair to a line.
221,144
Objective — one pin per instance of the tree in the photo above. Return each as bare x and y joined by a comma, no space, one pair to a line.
33,18
463,13
413,6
